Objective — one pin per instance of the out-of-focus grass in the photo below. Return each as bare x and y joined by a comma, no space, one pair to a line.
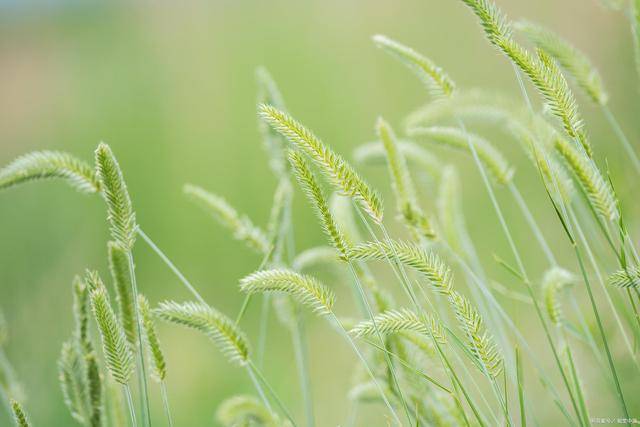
170,86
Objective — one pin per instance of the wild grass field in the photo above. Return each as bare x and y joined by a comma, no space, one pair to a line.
319,213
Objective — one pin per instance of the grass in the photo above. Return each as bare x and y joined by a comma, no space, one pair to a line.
431,346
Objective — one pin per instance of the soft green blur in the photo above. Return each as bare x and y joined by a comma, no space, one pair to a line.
170,86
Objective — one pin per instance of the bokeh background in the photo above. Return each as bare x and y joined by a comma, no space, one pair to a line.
170,86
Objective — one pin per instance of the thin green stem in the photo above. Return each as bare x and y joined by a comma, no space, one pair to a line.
171,266
247,298
142,372
532,223
258,387
132,412
365,301
299,348
617,129
603,287
353,345
520,265
165,402
409,367
401,275
520,377
601,330
255,372
576,380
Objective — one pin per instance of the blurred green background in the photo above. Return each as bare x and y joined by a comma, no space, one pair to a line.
170,86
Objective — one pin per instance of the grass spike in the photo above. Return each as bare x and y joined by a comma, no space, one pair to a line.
72,381
480,342
151,338
437,81
398,321
570,58
627,278
595,186
341,174
19,415
218,327
456,138
121,276
554,282
241,226
411,255
118,356
314,193
114,190
305,289
40,165
94,389
402,184
540,69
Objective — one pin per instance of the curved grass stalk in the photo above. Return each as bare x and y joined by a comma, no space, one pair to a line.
365,303
316,197
521,268
541,69
586,75
404,281
122,220
562,215
345,334
171,265
603,287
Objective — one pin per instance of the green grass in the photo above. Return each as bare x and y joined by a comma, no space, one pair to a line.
448,305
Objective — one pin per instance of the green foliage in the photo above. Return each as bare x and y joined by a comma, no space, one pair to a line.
121,216
241,226
340,173
218,327
47,165
305,289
